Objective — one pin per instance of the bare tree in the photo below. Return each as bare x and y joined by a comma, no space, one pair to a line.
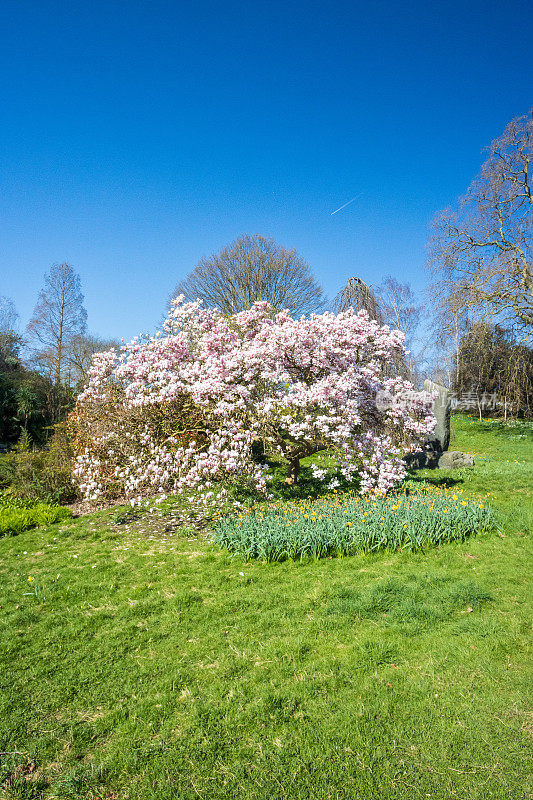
80,355
357,295
9,317
249,269
400,309
481,251
447,329
10,339
493,365
399,306
58,317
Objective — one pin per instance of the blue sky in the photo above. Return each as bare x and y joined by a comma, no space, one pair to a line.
137,137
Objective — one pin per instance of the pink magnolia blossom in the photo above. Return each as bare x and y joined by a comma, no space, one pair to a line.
300,385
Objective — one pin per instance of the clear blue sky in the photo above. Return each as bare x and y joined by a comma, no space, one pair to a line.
138,136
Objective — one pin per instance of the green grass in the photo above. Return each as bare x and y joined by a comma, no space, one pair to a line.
149,665
504,467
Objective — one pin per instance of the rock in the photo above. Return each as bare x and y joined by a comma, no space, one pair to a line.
440,438
433,453
454,459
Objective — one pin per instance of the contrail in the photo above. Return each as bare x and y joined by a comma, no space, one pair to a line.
346,204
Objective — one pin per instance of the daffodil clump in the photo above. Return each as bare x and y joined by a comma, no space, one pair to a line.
416,517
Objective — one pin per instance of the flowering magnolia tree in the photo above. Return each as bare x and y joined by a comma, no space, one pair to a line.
181,410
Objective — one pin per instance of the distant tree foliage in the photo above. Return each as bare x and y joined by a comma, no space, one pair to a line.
33,400
58,317
10,339
80,355
490,362
481,251
10,344
249,269
29,404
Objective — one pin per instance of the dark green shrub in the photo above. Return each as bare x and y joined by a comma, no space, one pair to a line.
30,402
40,475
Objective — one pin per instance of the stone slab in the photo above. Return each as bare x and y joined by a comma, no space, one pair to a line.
440,438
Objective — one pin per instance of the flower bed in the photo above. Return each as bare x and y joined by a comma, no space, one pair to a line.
415,518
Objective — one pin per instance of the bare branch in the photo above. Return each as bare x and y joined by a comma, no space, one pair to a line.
481,252
249,269
357,295
57,318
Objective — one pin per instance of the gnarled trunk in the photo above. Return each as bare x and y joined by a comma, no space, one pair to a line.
293,472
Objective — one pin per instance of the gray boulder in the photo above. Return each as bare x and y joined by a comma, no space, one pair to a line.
439,440
434,453
454,459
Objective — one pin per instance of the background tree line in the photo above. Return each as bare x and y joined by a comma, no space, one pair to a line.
481,259
41,371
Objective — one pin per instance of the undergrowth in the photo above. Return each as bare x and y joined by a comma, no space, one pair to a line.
18,515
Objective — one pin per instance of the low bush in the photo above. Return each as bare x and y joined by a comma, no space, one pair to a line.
40,475
17,515
417,517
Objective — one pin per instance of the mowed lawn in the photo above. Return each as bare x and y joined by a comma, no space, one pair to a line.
143,666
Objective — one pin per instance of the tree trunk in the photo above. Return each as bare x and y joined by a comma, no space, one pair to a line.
293,472
59,355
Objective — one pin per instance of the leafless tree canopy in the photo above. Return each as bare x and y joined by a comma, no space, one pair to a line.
481,251
490,361
249,269
57,318
399,306
400,309
8,315
357,295
81,350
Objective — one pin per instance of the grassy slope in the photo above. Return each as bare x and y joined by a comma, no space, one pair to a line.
152,668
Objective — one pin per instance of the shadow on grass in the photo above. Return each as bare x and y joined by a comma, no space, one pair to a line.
307,488
442,481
